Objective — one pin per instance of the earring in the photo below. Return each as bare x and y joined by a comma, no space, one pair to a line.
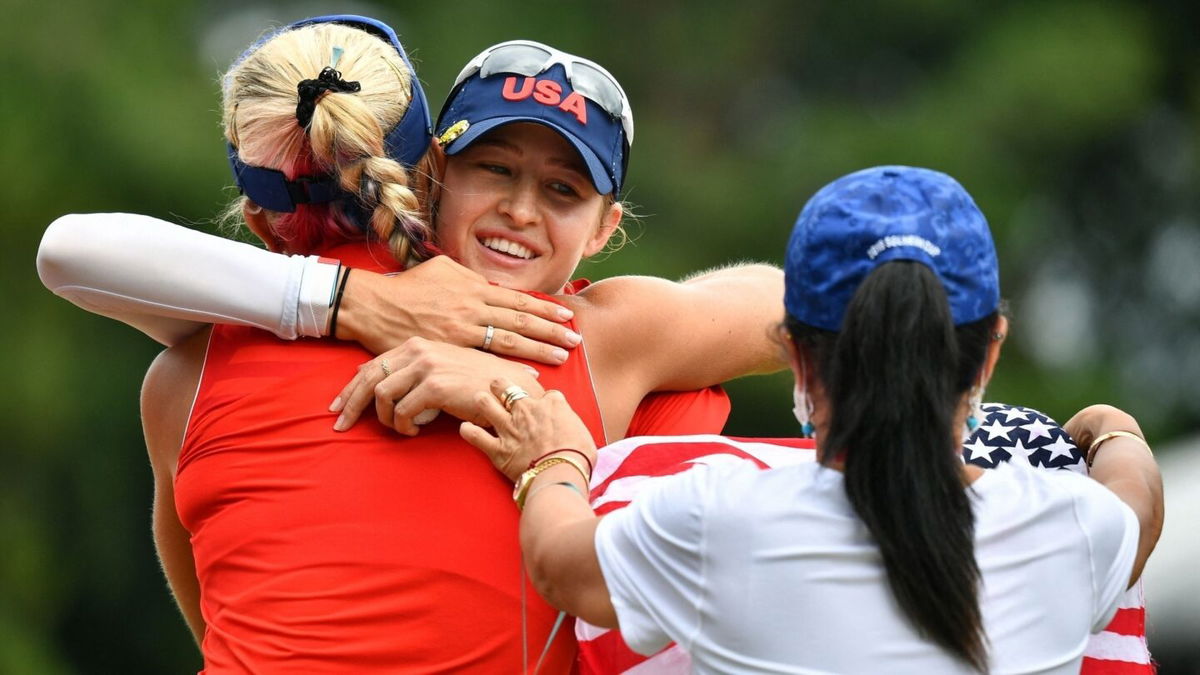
976,414
802,408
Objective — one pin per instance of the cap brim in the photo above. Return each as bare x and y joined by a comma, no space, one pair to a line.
600,178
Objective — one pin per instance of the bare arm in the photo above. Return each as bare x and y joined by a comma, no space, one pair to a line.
645,334
167,395
169,282
1126,467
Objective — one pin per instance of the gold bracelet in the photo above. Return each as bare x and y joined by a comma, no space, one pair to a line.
521,489
587,479
1091,451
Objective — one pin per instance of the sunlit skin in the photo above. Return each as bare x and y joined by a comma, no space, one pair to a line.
522,184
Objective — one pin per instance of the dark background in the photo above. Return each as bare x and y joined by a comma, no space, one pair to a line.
1074,125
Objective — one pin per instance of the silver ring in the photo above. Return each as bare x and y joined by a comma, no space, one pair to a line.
487,337
387,369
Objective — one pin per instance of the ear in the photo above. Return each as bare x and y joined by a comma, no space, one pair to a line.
798,361
259,221
609,221
999,334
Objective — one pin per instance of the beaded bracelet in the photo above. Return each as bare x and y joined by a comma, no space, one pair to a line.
1091,451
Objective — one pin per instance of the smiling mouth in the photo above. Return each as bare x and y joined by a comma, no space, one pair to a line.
510,248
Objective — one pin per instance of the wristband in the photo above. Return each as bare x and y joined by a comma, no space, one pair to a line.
337,303
1091,451
315,294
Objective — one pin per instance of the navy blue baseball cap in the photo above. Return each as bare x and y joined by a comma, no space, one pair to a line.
526,81
874,216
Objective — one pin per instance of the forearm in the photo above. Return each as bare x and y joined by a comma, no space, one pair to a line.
558,541
658,335
1125,465
748,300
168,281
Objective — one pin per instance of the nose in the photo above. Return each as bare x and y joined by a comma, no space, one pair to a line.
520,205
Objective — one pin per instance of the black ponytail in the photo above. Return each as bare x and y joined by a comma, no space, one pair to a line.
894,378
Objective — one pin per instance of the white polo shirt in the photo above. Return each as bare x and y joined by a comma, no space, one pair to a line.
754,570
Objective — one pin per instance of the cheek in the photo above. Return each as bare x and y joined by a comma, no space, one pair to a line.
450,234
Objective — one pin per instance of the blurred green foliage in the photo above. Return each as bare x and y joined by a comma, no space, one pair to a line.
1073,123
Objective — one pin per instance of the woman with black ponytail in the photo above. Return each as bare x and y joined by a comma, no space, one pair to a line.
887,553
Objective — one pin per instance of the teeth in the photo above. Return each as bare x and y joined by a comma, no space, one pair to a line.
510,247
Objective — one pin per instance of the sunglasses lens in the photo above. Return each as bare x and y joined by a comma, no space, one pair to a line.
586,78
526,60
597,86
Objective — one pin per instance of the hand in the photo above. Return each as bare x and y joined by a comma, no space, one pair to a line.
444,301
422,376
537,425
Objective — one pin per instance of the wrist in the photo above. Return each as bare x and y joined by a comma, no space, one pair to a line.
337,314
574,456
315,291
538,467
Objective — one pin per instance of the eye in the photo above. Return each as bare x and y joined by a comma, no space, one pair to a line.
564,189
498,169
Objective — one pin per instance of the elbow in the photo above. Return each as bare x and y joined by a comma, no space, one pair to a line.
542,572
58,250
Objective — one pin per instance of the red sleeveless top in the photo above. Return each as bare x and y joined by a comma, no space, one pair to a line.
361,551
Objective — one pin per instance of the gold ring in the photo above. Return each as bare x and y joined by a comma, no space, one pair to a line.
511,394
387,370
514,398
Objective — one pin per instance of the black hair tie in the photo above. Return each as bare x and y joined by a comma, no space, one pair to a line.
310,90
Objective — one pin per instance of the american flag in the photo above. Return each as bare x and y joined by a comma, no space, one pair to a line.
628,467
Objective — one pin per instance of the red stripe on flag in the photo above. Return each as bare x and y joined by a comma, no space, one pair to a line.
607,654
1103,667
1129,621
661,459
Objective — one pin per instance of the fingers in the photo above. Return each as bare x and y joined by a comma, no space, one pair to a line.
528,337
391,396
489,444
357,395
490,409
524,303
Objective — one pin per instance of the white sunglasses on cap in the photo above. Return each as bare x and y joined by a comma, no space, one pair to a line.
528,58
